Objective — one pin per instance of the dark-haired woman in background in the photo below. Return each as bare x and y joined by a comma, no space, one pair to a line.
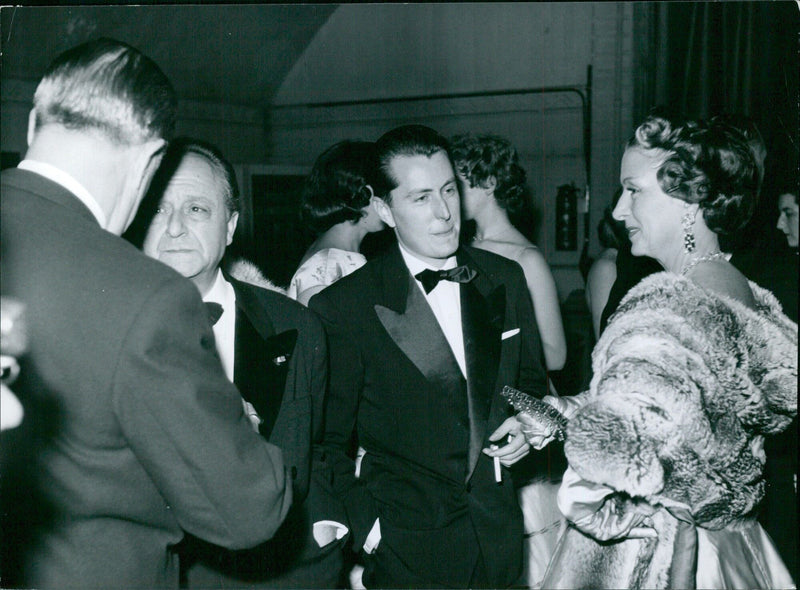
603,272
697,366
336,206
492,187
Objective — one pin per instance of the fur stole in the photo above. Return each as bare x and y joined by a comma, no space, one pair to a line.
247,272
686,384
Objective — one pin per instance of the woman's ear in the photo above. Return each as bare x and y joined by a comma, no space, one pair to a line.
490,184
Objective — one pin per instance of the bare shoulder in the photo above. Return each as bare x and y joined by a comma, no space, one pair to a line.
723,278
602,269
530,257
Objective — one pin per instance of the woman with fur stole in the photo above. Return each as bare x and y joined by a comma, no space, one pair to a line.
696,367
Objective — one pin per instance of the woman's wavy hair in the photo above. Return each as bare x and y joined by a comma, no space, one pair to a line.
708,163
337,189
481,157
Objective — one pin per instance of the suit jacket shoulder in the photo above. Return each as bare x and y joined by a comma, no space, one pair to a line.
499,268
274,307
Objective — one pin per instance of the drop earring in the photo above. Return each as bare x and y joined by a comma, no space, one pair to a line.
687,222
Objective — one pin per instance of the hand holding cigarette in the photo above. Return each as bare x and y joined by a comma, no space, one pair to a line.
512,451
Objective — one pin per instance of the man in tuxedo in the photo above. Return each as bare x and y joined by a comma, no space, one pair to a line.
416,370
274,351
132,434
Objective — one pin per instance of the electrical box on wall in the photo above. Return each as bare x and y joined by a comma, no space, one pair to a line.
567,217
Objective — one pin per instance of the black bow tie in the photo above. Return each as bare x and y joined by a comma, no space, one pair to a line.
214,311
430,278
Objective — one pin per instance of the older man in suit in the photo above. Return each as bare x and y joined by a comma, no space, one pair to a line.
421,342
132,434
271,347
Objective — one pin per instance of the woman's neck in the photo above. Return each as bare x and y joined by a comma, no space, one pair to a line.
707,247
342,236
492,224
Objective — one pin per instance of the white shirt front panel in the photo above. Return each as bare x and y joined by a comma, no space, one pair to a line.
225,329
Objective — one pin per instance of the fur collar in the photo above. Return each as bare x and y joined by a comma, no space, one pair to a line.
247,272
686,384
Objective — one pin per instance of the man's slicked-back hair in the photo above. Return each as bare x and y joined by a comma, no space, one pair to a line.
108,86
408,140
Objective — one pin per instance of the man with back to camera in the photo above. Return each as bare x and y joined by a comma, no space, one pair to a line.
416,369
274,351
122,387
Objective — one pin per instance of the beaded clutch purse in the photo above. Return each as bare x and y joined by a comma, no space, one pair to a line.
539,411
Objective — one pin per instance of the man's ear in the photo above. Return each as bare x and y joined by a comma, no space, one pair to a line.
232,222
31,126
384,211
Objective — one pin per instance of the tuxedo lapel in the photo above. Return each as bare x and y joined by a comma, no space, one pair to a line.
409,321
482,317
417,333
261,359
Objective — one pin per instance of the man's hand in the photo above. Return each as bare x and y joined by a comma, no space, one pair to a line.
516,448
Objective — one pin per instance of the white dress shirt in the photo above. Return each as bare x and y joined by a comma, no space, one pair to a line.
225,329
68,182
445,302
225,333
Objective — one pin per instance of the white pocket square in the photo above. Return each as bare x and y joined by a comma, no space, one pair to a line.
509,333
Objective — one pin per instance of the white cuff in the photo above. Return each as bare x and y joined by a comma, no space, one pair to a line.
328,531
373,538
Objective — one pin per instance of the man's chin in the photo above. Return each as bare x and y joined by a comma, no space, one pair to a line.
445,252
178,263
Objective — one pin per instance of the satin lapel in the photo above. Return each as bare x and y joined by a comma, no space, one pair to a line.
261,359
417,333
482,314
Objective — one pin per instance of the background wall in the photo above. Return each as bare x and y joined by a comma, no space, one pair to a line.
243,72
392,51
237,130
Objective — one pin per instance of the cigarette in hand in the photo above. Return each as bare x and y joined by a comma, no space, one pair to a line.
498,476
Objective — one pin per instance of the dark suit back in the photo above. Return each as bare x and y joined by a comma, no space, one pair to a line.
394,379
123,394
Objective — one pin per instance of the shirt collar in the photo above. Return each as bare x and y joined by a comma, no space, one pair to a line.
221,291
68,182
415,265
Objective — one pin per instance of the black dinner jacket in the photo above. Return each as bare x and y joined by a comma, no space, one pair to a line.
280,367
394,380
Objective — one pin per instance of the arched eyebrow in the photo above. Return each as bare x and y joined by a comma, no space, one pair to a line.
451,181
